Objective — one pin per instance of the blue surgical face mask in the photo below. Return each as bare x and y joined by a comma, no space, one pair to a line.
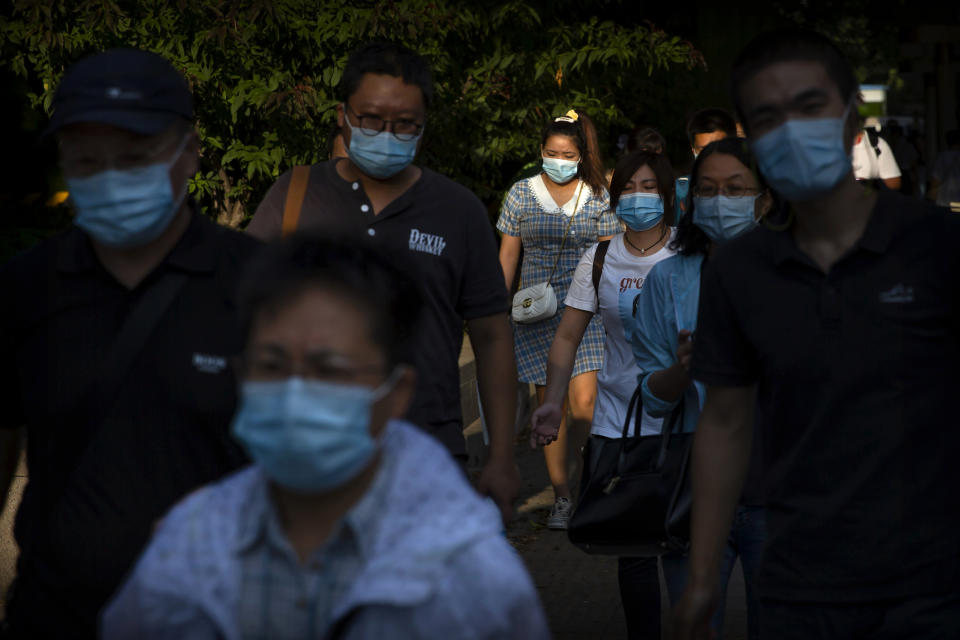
560,171
640,211
723,218
804,159
381,155
307,435
125,208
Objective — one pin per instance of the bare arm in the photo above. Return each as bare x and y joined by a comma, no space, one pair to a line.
893,183
669,384
563,352
721,455
492,342
509,257
9,457
545,421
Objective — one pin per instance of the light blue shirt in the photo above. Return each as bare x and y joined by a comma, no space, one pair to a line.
279,596
424,558
667,303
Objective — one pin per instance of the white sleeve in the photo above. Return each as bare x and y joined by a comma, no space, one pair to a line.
861,161
887,161
581,294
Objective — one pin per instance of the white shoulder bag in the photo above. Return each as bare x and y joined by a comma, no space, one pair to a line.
539,302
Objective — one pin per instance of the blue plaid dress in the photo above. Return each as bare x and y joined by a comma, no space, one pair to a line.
531,214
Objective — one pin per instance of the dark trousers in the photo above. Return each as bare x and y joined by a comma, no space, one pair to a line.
640,593
934,617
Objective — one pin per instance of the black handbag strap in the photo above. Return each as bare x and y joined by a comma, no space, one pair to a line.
137,328
141,322
635,413
566,231
674,422
100,395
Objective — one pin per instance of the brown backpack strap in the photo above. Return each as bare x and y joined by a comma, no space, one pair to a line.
296,191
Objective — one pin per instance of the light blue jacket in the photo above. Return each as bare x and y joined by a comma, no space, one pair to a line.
667,303
439,566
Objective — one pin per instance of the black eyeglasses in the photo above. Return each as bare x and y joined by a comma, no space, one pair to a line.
730,191
404,130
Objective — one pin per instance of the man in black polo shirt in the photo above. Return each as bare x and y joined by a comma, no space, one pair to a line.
436,228
116,345
842,325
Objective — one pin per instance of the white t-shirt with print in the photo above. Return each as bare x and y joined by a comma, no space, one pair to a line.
623,275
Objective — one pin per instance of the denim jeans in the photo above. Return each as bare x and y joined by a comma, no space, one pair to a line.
746,540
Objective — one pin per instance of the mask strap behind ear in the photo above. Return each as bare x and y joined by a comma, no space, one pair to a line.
387,385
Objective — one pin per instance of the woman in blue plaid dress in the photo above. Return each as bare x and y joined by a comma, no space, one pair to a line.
536,215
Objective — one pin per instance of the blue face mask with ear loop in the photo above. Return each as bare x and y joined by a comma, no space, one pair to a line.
804,158
640,211
126,208
723,218
381,155
308,435
559,170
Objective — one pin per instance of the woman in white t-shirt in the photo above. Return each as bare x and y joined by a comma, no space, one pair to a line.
641,190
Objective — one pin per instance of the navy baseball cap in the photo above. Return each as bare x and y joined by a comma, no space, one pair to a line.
131,89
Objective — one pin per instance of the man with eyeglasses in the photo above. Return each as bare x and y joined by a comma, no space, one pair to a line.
438,230
116,345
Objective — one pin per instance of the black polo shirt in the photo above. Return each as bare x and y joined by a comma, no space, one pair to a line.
858,376
437,230
95,491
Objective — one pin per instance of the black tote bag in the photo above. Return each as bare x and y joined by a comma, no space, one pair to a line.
635,501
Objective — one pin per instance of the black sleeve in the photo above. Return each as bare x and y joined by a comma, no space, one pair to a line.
482,291
722,355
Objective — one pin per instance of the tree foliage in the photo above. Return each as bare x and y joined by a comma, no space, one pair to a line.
862,29
265,74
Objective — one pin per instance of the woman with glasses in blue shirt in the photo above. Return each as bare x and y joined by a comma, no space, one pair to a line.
729,199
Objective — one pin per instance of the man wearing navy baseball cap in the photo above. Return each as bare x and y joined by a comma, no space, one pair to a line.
118,345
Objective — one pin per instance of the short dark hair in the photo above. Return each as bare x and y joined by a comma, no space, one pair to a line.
646,139
584,136
390,59
658,163
690,239
710,120
783,45
284,270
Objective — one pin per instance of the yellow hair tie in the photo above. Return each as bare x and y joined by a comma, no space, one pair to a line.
569,116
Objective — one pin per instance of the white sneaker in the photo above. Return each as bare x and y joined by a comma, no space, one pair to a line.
560,514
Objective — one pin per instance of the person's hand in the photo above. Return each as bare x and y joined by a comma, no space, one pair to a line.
500,479
684,349
545,424
692,615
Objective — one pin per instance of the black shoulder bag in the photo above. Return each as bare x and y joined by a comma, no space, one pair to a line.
635,501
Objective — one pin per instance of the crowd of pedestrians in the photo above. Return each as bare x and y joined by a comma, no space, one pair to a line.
258,434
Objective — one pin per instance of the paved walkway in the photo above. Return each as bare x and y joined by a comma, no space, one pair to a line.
579,591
